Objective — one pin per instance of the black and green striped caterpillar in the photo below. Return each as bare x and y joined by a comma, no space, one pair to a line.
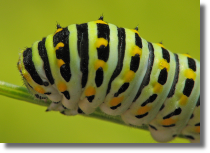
97,64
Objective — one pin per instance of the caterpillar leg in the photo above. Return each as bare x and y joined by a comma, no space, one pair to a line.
192,130
55,106
86,107
60,106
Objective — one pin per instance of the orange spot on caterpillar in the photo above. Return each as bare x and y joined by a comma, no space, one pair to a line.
58,30
39,89
60,62
169,121
116,100
62,86
183,100
190,74
136,50
100,42
100,21
90,91
60,44
143,110
157,88
164,64
129,76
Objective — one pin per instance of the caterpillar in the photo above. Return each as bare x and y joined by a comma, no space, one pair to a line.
92,65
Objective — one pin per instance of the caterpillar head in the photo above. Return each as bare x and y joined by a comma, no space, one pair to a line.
26,68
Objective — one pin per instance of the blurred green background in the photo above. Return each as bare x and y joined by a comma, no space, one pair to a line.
176,23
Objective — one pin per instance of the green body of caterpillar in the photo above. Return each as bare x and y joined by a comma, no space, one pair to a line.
96,64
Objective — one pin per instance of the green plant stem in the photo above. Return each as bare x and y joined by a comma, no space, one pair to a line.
21,93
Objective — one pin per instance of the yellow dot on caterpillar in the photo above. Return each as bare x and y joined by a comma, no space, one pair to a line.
169,121
62,86
157,88
90,91
100,21
190,74
197,129
60,44
135,31
183,100
164,64
100,63
101,42
143,110
136,50
129,76
58,30
39,89
187,55
161,45
116,100
60,62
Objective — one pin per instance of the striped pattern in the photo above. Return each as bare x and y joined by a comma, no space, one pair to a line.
97,64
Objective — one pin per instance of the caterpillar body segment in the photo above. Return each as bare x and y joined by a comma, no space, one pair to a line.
97,64
183,101
124,87
150,98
